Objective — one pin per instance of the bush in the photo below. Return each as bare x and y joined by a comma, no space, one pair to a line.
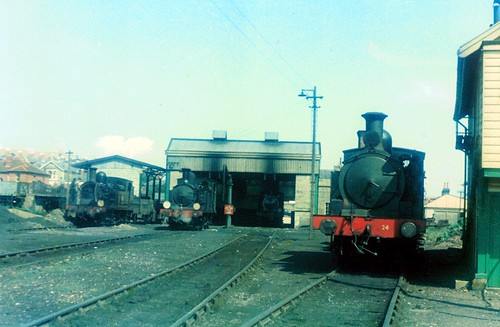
448,232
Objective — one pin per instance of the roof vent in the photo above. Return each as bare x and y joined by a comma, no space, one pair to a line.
219,135
271,136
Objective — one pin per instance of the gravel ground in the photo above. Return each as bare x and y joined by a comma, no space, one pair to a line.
48,286
291,263
429,297
343,300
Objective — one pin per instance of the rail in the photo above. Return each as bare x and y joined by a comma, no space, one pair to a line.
189,318
266,316
391,309
67,246
71,309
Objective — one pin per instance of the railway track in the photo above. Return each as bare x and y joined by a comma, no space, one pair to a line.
19,259
201,309
391,312
20,230
70,277
193,292
339,300
68,246
149,287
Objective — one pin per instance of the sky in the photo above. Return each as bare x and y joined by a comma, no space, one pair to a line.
124,77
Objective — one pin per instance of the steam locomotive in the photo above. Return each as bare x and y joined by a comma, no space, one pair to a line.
377,197
192,203
270,211
106,200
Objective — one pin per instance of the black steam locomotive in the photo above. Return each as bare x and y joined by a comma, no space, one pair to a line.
270,211
106,200
192,203
377,196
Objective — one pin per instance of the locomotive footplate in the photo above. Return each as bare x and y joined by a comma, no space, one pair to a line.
380,227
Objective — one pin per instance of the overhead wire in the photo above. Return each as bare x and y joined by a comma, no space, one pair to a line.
276,52
255,126
226,16
274,116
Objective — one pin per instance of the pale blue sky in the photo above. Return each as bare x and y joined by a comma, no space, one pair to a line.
106,77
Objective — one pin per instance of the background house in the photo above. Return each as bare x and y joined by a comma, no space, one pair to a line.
446,209
13,169
57,174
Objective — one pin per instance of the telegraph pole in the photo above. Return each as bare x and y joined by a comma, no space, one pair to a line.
69,153
307,94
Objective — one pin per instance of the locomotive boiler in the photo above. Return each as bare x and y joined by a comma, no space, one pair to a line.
376,202
192,203
105,200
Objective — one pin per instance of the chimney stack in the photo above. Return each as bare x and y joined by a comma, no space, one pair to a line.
446,190
496,11
8,162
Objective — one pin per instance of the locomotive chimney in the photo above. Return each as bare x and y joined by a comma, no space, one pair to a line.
92,173
375,122
375,135
496,11
186,174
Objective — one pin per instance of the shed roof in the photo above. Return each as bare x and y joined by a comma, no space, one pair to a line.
116,158
235,148
468,57
250,156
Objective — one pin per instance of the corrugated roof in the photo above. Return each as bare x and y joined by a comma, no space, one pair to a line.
269,157
89,163
235,148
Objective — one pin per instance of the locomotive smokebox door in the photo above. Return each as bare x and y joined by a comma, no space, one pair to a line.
371,180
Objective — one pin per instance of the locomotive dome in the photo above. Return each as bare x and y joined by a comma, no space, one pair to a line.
101,177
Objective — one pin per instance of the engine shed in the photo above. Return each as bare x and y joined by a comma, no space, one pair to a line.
146,178
255,167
